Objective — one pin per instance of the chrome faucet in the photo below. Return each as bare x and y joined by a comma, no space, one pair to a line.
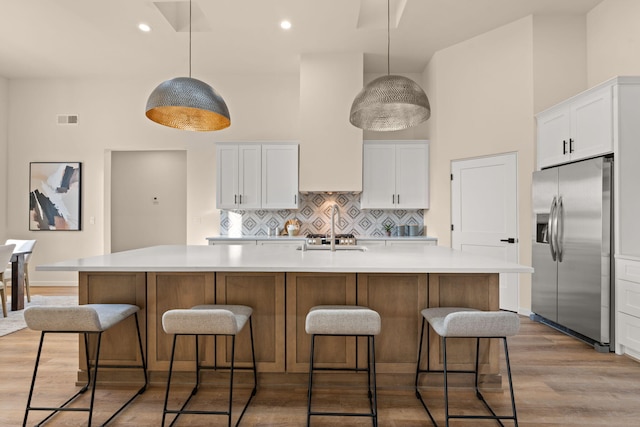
334,212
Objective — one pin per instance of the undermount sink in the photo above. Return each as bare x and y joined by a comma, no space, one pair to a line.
328,248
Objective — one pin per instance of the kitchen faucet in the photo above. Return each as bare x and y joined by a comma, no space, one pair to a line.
334,211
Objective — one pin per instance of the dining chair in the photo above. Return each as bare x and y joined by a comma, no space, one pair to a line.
6,251
21,246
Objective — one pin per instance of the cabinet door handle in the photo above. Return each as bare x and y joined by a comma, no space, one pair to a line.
393,199
564,146
235,199
295,199
241,199
571,145
398,199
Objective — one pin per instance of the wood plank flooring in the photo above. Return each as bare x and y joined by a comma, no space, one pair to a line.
559,381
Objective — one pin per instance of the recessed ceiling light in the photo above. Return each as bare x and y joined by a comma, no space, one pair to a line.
285,25
144,27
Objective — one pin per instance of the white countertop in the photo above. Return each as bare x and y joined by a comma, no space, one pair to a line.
301,238
427,259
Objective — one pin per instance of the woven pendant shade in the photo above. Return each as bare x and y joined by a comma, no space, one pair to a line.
390,103
189,104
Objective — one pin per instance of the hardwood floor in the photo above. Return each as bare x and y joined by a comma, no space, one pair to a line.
559,381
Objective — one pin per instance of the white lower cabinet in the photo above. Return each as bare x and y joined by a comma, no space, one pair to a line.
411,243
231,242
628,307
396,242
294,243
628,335
370,243
277,241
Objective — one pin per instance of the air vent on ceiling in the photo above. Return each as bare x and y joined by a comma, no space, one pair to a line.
67,119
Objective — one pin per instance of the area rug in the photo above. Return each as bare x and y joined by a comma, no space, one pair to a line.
15,319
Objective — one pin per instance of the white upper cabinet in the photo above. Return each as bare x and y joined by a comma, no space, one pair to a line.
238,176
579,128
255,176
226,176
395,175
279,177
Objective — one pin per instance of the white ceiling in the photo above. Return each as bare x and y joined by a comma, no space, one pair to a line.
76,38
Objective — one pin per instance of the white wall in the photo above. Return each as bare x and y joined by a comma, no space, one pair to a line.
481,93
613,40
560,59
111,117
4,129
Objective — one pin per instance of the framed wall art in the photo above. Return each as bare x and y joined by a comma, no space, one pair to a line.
54,196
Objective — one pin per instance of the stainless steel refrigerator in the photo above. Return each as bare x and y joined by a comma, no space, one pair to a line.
572,283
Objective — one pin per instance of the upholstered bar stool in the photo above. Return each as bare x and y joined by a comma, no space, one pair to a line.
227,320
345,320
458,322
86,320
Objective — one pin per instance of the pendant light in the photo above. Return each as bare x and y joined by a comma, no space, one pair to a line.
187,103
390,102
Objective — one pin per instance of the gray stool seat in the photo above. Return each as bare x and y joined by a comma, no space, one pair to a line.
209,319
89,319
342,320
80,318
469,322
461,322
345,320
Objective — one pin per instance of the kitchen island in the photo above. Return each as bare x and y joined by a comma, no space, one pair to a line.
282,284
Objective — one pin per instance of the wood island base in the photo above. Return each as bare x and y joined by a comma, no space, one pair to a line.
280,302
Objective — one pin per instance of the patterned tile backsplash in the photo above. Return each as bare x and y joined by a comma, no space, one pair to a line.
314,215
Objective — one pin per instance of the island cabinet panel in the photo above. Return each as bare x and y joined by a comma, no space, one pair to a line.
119,344
480,291
398,298
304,291
264,293
167,291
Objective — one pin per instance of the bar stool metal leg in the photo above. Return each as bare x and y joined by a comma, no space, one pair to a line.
457,322
313,341
174,324
372,391
479,395
91,378
420,371
371,372
345,321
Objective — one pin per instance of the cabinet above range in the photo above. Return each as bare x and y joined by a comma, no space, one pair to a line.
395,175
256,176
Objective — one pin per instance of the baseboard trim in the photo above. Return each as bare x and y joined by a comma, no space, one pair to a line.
50,284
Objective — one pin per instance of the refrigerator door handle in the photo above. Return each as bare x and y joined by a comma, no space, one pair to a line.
550,228
559,229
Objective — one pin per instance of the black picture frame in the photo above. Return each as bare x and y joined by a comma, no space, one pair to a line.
55,196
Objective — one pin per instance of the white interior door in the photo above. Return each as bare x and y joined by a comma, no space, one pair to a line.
484,214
